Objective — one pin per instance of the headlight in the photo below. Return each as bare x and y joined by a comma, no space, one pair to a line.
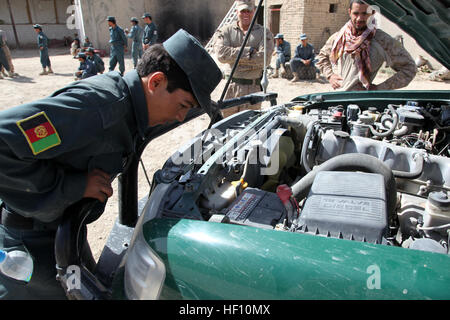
144,270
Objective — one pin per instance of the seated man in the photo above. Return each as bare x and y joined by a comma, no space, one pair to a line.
283,53
99,63
302,65
87,43
87,67
75,48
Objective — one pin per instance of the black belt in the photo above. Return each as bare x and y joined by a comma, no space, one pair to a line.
248,82
16,221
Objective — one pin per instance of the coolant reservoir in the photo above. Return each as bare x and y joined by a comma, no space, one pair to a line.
296,111
437,211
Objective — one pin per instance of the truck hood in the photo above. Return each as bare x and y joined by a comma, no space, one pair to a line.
427,21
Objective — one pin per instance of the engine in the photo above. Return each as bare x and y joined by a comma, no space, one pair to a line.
376,175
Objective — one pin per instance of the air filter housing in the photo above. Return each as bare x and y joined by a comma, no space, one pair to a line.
347,205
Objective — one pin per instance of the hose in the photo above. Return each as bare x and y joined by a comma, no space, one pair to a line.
304,160
392,129
411,175
351,162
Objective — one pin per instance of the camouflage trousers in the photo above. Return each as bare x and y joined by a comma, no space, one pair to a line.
8,58
236,90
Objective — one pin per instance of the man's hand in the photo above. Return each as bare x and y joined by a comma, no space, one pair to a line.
98,186
251,52
126,49
307,62
335,81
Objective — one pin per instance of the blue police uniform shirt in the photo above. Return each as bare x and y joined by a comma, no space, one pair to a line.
136,33
117,37
97,121
285,49
42,40
88,67
99,63
150,34
305,53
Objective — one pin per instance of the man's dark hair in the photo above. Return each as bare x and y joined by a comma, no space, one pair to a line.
155,59
356,1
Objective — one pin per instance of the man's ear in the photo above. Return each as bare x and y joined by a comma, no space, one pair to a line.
156,80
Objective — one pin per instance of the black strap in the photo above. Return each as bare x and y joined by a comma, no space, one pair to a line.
16,221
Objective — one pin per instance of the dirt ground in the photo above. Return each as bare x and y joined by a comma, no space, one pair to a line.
29,86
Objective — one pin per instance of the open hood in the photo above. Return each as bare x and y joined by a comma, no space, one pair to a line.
427,21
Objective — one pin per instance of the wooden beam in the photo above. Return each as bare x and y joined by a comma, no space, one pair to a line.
13,23
56,11
30,20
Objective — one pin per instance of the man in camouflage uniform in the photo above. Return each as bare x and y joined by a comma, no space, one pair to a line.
356,72
247,77
7,53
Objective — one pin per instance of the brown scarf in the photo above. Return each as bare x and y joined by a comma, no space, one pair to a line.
358,46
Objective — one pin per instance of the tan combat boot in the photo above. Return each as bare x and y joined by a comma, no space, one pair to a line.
283,72
296,78
50,70
43,73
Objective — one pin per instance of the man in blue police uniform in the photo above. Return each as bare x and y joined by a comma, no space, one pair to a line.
61,149
150,31
99,63
283,53
86,69
42,42
119,44
136,34
303,63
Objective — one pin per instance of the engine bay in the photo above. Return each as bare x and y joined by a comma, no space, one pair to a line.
379,175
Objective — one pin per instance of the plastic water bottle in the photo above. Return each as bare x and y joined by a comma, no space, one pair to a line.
16,264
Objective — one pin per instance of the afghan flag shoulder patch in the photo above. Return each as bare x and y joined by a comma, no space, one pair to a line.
40,133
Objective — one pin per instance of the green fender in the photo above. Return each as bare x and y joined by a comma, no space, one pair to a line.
206,260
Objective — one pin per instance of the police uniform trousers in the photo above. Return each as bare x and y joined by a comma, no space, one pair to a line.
304,72
45,60
136,52
40,244
236,90
38,239
117,56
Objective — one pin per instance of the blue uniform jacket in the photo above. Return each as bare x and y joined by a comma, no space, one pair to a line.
285,49
305,53
97,122
118,38
150,34
42,40
99,63
89,69
136,34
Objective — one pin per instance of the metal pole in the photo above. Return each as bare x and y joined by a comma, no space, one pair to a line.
265,80
13,24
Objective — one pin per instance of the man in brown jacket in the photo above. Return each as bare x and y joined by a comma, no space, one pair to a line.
247,77
352,57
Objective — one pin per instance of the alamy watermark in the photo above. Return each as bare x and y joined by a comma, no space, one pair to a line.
74,20
374,280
